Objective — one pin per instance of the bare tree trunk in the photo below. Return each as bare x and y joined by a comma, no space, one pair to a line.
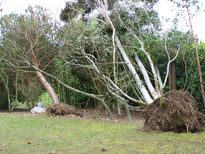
48,87
131,68
172,76
197,55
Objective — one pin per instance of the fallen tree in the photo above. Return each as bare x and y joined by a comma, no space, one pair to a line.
148,82
28,37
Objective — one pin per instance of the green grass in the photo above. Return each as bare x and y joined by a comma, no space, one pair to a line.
72,135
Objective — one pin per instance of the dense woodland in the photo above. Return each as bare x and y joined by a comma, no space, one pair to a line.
106,55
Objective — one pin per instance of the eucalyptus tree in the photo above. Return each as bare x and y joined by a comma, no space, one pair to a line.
117,42
82,9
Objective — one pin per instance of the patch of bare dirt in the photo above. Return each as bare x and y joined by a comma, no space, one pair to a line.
136,116
86,113
175,111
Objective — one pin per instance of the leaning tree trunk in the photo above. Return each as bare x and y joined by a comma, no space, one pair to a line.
131,68
197,55
48,87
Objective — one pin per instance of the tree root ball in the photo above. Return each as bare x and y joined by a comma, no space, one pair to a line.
175,111
62,109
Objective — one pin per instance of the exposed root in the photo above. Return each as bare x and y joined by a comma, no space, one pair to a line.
175,111
62,109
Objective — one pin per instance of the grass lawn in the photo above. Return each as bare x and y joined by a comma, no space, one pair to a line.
25,133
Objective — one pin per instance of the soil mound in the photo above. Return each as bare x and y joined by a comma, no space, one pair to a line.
62,109
175,111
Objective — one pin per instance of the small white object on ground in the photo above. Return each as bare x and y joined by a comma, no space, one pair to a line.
38,109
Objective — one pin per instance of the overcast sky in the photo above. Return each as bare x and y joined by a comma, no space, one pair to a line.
19,6
165,9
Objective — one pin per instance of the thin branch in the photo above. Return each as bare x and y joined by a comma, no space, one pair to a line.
170,61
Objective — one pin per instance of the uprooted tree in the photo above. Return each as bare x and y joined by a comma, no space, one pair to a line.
112,48
149,88
28,37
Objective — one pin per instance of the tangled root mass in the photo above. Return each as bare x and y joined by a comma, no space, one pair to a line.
175,111
62,109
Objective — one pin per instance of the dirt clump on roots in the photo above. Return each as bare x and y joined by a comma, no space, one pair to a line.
62,110
175,111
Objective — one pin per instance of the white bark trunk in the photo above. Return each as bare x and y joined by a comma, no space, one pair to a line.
131,68
169,62
159,79
114,86
150,62
146,78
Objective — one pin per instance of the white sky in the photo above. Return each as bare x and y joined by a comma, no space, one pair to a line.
19,6
164,8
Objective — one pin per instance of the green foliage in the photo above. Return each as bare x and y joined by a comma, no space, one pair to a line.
187,77
78,38
29,90
68,76
71,11
161,102
142,20
3,100
27,38
45,99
